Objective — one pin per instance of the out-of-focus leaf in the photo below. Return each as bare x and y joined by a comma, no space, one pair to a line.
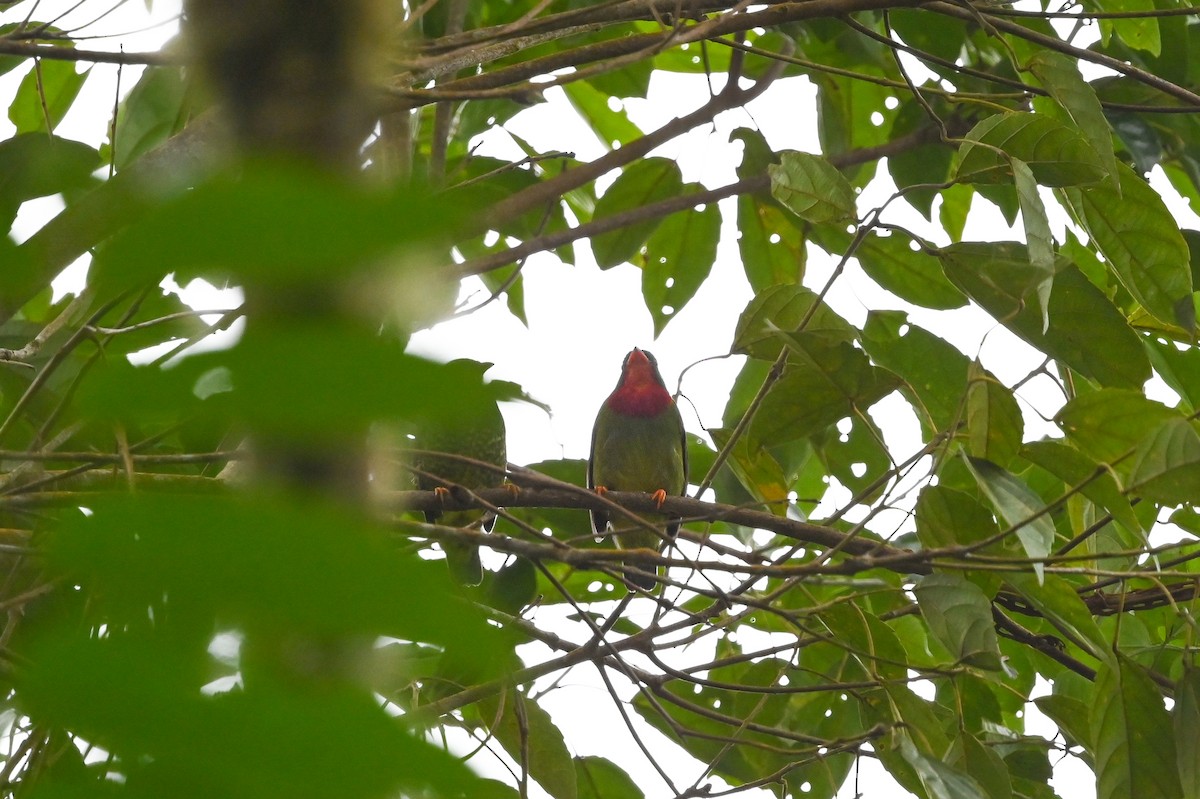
811,188
1017,504
612,127
679,256
157,107
983,764
910,273
1141,241
960,616
275,224
36,165
642,183
1056,154
1132,736
45,95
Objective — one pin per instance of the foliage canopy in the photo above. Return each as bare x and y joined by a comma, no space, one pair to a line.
204,596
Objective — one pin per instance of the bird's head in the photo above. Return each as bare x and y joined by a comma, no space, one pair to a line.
641,390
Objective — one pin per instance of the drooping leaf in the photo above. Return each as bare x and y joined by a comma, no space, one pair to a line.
995,426
600,778
45,95
1060,77
679,256
908,272
1016,503
1056,154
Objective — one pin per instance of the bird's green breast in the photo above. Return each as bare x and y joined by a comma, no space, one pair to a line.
639,453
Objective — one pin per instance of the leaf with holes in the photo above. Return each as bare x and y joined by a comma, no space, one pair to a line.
811,188
679,256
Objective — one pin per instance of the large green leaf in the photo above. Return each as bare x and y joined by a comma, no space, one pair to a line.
1107,424
679,256
1086,332
1056,154
531,738
782,309
600,779
1019,506
641,183
1076,469
907,271
934,372
1132,736
940,780
995,426
811,188
960,617
157,107
1166,466
45,95
773,249
1139,238
1059,75
1186,717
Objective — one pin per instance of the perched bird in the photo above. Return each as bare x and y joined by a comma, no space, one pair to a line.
477,432
638,444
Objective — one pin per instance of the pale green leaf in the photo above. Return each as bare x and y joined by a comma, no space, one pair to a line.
811,188
1019,506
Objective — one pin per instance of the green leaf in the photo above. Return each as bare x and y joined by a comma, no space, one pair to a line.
1139,238
1166,466
36,165
612,128
1076,469
824,382
1057,155
1186,718
984,765
933,370
1108,423
1138,30
1057,600
600,778
773,249
277,224
1060,76
1071,716
811,188
782,309
641,183
960,617
1017,504
950,518
526,730
940,780
995,426
1133,742
896,264
678,258
45,95
1038,240
157,107
1086,331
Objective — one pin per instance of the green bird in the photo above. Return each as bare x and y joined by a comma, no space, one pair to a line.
638,444
477,431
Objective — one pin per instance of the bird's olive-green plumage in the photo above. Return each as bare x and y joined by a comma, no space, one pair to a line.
477,432
638,444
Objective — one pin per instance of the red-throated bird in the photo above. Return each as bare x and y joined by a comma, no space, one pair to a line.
638,444
478,433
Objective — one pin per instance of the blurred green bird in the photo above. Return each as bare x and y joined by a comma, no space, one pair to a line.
477,432
638,444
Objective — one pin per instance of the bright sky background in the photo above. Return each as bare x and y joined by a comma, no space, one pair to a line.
583,320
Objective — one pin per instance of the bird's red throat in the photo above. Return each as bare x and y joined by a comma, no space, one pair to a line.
639,393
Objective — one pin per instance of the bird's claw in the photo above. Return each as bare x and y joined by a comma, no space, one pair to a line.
659,497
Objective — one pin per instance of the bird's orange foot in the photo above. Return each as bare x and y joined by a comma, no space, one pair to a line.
513,489
659,497
442,492
601,490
